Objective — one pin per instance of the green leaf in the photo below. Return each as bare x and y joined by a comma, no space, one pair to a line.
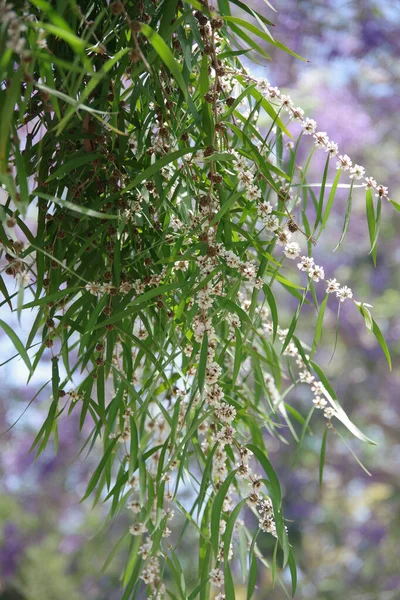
373,222
166,56
216,510
322,194
96,475
273,308
339,412
320,320
265,36
373,326
157,166
322,456
238,356
201,373
347,216
83,210
70,165
17,343
276,498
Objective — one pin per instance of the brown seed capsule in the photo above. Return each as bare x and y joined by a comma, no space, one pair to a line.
217,23
209,150
117,8
230,101
61,234
108,275
49,343
209,97
184,137
134,56
50,323
109,327
61,393
207,49
99,362
135,26
107,310
99,347
292,226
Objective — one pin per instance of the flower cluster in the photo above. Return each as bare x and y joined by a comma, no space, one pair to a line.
9,20
321,139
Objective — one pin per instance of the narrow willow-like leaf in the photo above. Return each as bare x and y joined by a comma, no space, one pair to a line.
166,55
322,456
347,216
373,326
17,343
201,373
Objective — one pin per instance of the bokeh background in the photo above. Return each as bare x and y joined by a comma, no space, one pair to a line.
347,535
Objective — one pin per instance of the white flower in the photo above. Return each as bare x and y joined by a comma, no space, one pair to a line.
284,237
286,101
343,293
370,182
93,288
316,273
298,113
319,402
344,162
271,223
265,208
217,577
292,250
306,263
321,139
329,412
274,92
318,388
309,126
332,149
252,193
332,286
357,172
383,192
306,377
262,85
137,529
220,596
226,435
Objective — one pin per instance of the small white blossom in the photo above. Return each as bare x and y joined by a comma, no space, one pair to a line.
309,126
343,293
292,250
306,263
319,402
332,286
316,273
357,172
321,139
344,162
217,577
